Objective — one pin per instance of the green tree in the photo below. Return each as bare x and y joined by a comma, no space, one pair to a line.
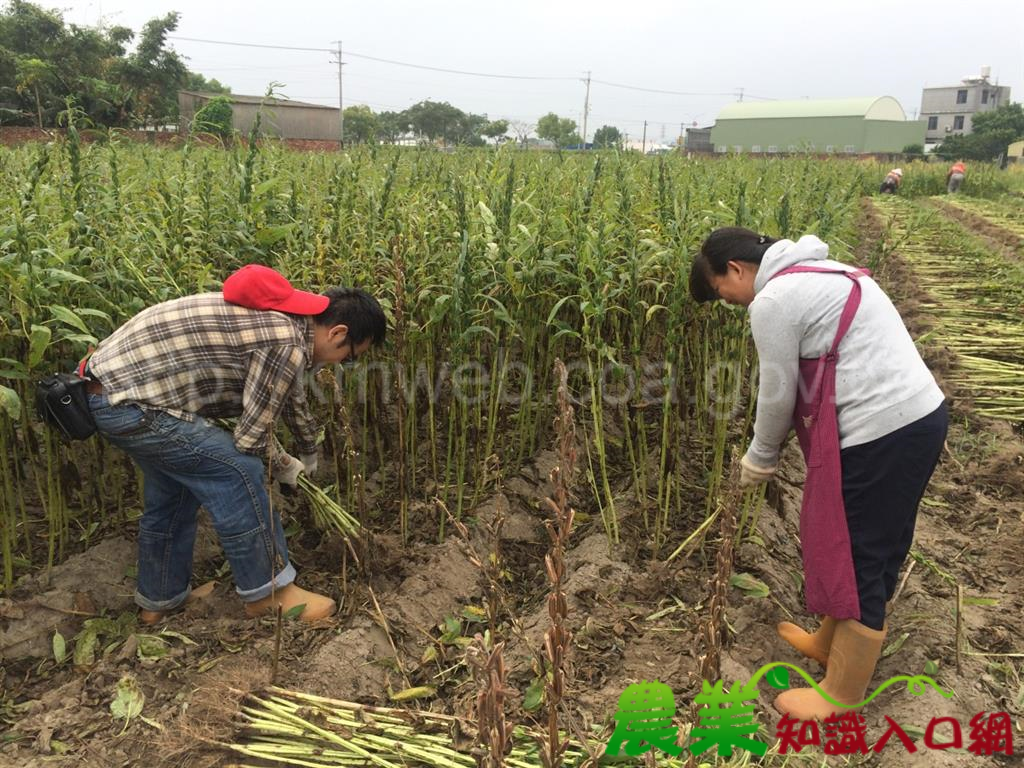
913,149
31,74
434,119
196,82
992,133
360,124
440,120
1009,118
560,130
607,137
215,117
956,146
391,125
495,129
44,61
156,73
470,130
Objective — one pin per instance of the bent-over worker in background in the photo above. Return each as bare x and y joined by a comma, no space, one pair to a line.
891,182
955,177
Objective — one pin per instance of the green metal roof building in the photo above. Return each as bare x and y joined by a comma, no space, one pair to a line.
851,126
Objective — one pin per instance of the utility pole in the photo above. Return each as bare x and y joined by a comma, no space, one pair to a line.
586,109
681,141
741,93
643,144
341,102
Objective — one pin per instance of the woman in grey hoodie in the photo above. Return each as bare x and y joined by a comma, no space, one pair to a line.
837,364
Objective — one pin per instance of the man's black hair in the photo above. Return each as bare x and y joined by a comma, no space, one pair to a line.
358,310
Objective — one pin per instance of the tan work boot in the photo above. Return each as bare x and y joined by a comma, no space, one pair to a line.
317,606
851,664
814,645
153,617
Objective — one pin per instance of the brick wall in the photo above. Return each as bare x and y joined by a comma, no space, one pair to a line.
11,136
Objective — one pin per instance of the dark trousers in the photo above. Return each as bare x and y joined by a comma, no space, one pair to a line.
883,483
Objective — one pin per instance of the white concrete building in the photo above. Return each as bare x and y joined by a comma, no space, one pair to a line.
950,110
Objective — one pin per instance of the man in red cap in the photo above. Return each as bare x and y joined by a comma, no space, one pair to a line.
239,353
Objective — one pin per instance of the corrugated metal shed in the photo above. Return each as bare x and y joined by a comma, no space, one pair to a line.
283,118
874,124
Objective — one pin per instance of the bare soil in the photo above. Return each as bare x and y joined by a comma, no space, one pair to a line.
634,617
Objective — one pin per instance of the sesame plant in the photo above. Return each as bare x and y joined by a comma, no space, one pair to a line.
490,265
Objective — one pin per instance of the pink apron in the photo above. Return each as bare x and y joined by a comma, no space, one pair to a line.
830,585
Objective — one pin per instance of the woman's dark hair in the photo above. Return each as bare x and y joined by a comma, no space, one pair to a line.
358,310
722,246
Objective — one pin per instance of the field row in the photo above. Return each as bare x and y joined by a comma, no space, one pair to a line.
972,298
1004,212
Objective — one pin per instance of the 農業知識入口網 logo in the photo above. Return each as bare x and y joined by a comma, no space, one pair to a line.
727,720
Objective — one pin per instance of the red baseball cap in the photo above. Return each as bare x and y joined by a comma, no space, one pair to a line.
259,287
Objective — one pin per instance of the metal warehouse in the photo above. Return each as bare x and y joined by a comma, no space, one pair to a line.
852,126
283,118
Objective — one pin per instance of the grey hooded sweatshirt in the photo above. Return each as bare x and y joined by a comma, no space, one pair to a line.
882,383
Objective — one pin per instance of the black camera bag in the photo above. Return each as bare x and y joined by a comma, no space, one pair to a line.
62,403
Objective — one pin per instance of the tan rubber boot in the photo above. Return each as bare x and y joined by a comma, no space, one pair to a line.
851,664
153,617
317,606
814,645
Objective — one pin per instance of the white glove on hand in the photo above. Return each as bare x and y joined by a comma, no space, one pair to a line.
310,461
751,474
287,468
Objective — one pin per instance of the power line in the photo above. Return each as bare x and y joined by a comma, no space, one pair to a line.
373,58
252,45
483,88
608,118
458,71
351,100
300,68
741,92
490,75
463,71
659,90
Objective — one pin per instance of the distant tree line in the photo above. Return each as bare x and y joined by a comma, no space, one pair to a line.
45,62
442,122
431,120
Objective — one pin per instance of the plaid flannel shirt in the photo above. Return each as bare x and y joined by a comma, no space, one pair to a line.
202,355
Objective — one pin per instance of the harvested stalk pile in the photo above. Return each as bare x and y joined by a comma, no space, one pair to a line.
974,300
291,728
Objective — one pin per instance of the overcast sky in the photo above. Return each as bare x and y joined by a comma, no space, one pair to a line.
783,49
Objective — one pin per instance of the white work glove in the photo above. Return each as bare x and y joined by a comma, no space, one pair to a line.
751,474
310,461
287,468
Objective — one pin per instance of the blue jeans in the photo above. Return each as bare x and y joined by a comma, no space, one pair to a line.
186,465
